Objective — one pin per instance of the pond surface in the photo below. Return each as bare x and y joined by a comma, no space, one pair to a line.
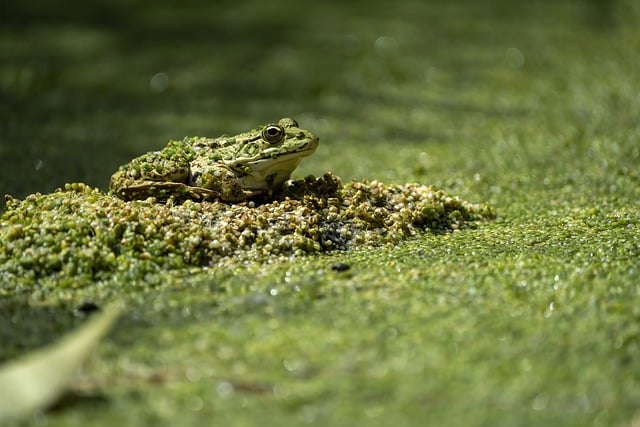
87,87
528,319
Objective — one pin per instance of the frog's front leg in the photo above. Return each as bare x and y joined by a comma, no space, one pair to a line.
219,179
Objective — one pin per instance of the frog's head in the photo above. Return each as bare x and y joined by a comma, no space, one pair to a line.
269,156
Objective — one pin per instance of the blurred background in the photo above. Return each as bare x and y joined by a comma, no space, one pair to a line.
86,86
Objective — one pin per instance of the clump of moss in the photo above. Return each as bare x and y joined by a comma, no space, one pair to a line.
80,231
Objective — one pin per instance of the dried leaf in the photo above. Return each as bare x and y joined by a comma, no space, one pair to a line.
38,379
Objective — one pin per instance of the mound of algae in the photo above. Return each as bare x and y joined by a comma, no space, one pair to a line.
81,231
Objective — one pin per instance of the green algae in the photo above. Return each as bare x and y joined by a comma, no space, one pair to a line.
529,319
79,232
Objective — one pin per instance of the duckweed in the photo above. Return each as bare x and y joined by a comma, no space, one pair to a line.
80,231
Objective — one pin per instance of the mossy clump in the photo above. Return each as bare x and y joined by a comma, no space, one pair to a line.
80,231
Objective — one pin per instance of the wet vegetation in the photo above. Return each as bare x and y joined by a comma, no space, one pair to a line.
530,318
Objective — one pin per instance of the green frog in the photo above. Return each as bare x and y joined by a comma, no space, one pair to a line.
229,168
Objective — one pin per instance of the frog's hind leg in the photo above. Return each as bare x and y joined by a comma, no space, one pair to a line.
154,174
141,190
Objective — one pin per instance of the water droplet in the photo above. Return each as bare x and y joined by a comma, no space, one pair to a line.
224,388
541,402
549,311
193,374
37,165
159,82
385,46
515,58
291,365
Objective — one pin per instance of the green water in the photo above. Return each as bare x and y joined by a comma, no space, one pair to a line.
531,319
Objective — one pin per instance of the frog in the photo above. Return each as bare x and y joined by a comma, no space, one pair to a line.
229,169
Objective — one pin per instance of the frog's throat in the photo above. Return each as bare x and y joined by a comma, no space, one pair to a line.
269,173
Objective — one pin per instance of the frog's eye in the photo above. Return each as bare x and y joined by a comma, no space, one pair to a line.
272,133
